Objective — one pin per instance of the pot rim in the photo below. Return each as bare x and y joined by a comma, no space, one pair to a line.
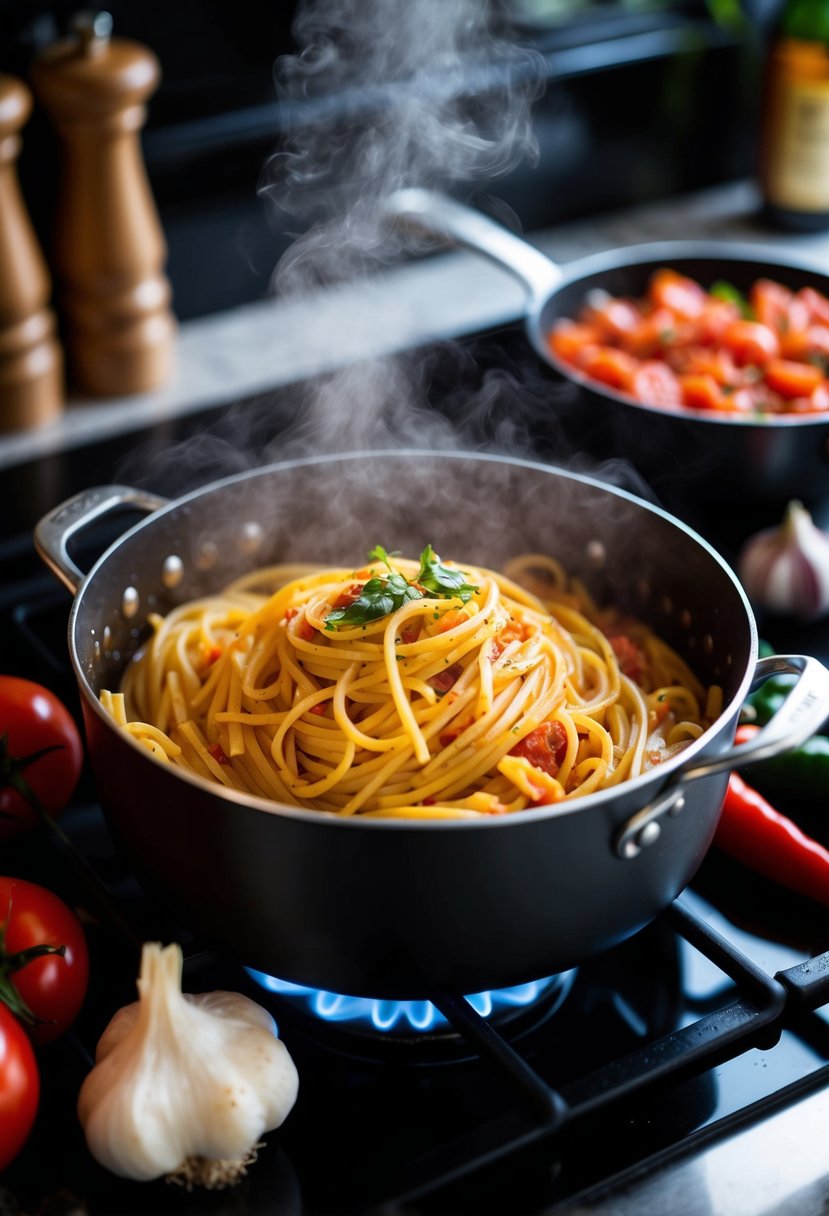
656,777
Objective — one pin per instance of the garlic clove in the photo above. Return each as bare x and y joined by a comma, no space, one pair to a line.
182,1079
786,569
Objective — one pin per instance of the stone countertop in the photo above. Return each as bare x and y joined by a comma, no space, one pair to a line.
229,357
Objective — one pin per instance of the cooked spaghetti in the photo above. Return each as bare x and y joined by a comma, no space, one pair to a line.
410,690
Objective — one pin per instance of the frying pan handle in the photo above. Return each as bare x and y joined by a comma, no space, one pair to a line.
55,530
802,713
443,216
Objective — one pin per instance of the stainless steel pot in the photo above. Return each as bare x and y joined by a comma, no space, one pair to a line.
722,456
395,908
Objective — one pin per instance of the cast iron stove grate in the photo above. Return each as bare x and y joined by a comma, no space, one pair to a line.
512,1118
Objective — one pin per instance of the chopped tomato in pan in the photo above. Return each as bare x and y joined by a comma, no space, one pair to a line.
682,345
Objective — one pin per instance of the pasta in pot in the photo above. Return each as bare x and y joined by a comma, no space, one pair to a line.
410,690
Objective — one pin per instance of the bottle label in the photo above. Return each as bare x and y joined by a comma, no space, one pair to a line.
798,166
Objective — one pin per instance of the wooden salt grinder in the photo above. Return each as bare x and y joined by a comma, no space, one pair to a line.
109,248
31,358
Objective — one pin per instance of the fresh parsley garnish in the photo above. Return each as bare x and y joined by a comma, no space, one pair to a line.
385,593
380,596
440,580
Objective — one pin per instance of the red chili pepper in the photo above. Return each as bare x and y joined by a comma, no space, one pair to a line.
753,832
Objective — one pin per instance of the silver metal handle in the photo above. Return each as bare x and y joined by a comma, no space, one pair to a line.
443,216
55,530
802,713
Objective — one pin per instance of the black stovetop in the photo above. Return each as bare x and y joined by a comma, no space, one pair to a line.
709,1019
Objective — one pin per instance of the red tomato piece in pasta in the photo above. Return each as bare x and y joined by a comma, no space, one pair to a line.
545,747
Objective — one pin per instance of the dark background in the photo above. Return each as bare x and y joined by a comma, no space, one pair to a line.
640,103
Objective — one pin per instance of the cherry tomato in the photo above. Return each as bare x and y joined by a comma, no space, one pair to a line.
32,720
19,1087
52,986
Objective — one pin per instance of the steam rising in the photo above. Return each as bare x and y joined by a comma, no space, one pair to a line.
394,93
380,95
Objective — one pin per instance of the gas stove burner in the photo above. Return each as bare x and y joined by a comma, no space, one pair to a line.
349,1021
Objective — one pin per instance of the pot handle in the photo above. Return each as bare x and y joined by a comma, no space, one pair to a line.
802,713
55,530
444,216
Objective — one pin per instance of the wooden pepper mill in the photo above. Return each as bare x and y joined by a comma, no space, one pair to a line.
31,358
110,251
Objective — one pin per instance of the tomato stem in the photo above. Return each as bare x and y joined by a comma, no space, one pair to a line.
11,963
10,774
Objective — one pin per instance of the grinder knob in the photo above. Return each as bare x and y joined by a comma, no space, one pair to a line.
110,251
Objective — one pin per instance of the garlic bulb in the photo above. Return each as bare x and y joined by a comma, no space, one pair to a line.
183,1085
786,569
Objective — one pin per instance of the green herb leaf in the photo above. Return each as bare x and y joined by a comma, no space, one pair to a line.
379,597
384,594
438,579
379,554
723,290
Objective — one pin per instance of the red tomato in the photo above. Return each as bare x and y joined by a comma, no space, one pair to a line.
791,379
714,320
32,720
614,319
19,1087
817,403
706,361
612,367
774,305
750,342
750,399
52,986
655,333
701,392
805,343
444,680
815,303
654,383
569,339
630,657
544,747
684,297
347,597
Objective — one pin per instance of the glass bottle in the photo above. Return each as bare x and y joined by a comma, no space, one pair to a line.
794,153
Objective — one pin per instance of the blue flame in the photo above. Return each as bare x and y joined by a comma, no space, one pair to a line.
385,1015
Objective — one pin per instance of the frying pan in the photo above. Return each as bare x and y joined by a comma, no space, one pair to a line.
400,908
720,456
